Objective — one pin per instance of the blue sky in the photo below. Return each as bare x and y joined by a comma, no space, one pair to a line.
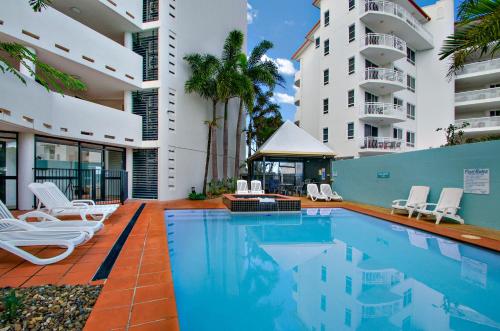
285,23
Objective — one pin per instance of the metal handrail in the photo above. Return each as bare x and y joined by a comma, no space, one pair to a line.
380,108
382,143
384,74
381,39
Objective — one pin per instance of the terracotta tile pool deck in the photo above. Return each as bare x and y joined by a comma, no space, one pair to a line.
139,292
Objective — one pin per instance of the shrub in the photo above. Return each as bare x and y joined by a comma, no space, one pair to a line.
196,196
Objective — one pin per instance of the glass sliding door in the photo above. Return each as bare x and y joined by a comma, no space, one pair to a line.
91,166
8,169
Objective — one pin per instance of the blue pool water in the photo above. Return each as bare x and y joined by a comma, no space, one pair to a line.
327,269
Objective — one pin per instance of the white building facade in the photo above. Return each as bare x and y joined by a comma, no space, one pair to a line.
133,133
370,79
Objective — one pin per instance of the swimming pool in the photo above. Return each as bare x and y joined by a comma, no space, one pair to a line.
325,269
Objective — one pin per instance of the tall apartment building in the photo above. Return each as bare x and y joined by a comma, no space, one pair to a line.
370,81
133,121
477,98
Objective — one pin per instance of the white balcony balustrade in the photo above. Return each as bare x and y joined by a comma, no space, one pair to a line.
387,16
480,125
479,67
382,113
380,145
382,81
477,100
383,48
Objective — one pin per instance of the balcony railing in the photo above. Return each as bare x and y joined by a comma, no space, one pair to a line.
384,109
480,122
477,95
392,8
384,74
471,68
382,144
387,40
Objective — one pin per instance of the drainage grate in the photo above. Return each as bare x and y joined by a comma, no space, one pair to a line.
110,260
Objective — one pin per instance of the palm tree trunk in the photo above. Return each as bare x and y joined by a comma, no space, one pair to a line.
249,140
215,170
207,161
225,141
238,142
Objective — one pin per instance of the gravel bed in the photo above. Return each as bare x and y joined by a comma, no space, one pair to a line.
49,307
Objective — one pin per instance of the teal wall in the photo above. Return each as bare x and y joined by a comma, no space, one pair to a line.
356,180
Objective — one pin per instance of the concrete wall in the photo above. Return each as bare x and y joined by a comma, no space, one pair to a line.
441,167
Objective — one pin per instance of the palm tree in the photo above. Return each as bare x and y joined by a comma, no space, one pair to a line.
203,82
477,32
260,73
228,82
46,75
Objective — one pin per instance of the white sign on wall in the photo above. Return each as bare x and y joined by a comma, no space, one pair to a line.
477,181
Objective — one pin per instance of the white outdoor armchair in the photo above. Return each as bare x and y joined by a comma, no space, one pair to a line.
416,198
446,207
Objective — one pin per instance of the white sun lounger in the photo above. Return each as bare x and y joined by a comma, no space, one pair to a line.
313,193
331,195
256,187
15,234
418,239
58,206
48,222
446,207
59,195
241,187
416,198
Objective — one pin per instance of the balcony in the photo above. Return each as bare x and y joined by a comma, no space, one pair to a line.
383,48
379,113
387,17
297,99
31,108
478,73
83,52
480,126
296,81
478,100
382,81
380,145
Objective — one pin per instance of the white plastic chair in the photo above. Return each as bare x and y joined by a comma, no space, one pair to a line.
241,187
59,195
48,222
58,206
446,207
416,198
313,193
331,195
256,187
15,234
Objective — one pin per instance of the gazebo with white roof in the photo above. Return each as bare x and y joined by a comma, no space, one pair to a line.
291,158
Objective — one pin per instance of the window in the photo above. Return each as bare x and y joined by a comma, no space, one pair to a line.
370,64
323,303
371,131
370,97
325,135
352,4
350,98
323,273
398,102
350,130
410,139
326,105
410,83
494,113
318,42
410,55
397,133
351,65
352,33
410,111
407,298
347,317
326,77
348,253
348,285
327,18
326,46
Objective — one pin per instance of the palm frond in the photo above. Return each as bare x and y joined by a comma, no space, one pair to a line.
39,5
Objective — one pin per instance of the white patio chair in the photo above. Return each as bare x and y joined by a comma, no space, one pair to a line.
416,198
48,222
313,193
242,187
15,234
59,195
331,195
256,187
56,206
446,207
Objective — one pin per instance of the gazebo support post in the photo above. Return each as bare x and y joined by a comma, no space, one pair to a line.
264,173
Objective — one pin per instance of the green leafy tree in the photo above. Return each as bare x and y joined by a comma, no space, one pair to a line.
476,33
203,81
48,76
454,134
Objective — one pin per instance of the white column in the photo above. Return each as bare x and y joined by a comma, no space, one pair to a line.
23,70
127,101
127,40
129,166
26,162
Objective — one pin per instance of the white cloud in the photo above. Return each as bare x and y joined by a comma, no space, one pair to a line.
251,13
283,98
285,66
